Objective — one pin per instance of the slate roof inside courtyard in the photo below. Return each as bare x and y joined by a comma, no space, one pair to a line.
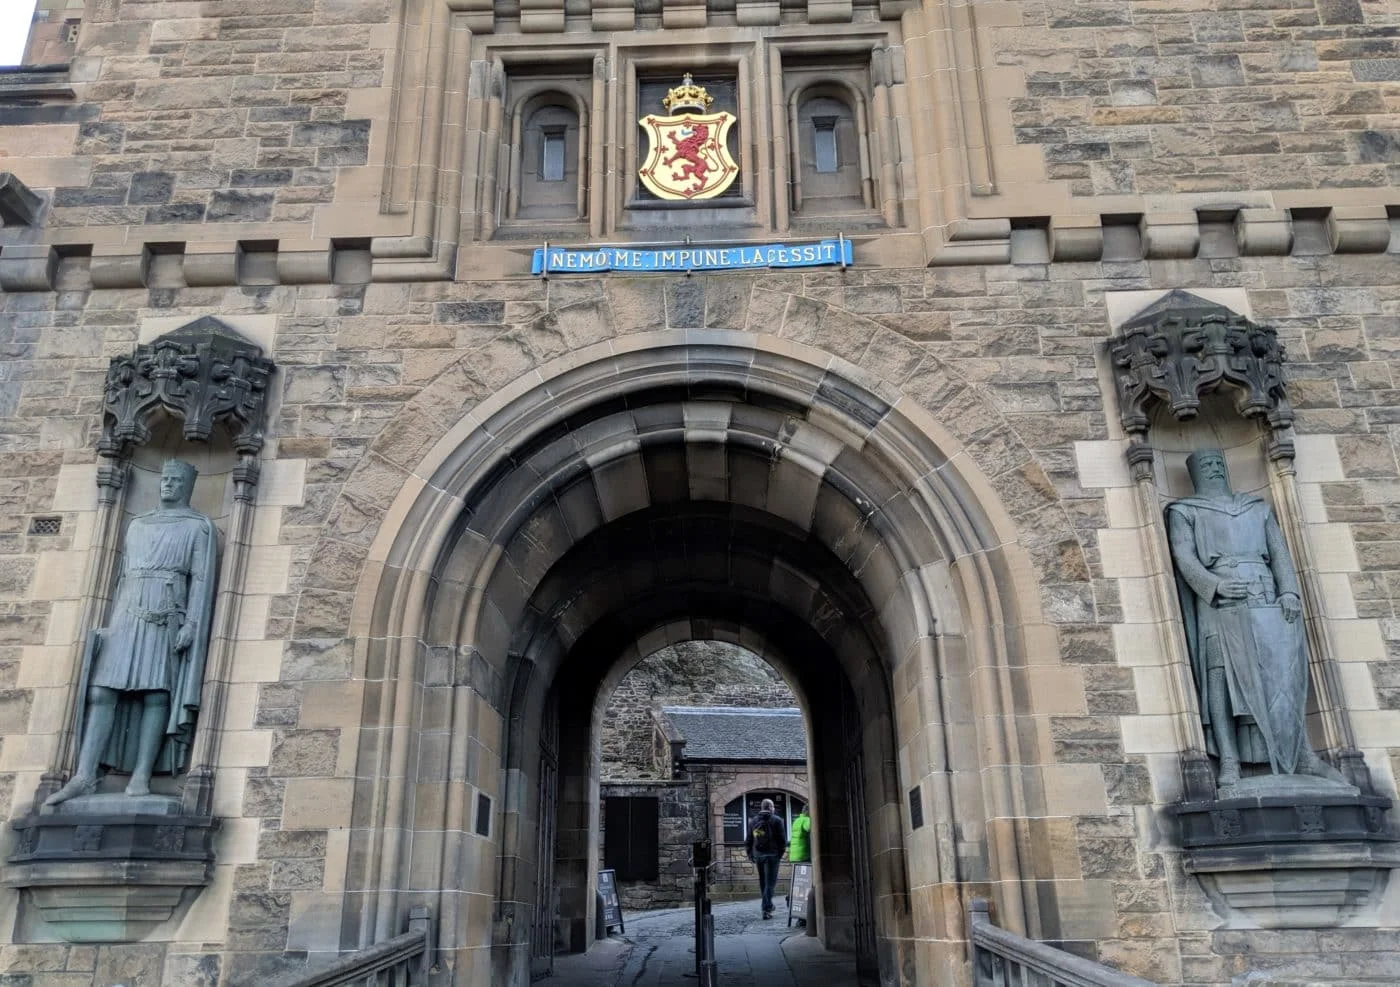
732,733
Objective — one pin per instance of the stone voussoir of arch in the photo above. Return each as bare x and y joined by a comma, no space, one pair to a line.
406,451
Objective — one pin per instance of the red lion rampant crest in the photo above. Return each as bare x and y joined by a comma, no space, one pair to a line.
688,157
690,142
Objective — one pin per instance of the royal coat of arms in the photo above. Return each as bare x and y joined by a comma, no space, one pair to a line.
689,155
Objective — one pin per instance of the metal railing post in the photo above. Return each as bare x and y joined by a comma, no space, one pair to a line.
1001,957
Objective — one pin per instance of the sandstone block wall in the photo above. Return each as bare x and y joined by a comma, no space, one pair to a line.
680,818
1009,358
231,160
1191,97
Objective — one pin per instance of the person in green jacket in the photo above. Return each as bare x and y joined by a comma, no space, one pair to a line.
800,840
800,843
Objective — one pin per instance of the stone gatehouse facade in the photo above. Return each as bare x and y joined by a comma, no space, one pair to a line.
292,242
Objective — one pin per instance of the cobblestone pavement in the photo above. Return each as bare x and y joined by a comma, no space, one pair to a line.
658,950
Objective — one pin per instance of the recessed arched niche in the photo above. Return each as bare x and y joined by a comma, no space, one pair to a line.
104,863
1216,426
830,155
1293,834
549,157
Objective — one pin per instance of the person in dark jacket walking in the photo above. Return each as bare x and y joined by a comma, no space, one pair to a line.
765,844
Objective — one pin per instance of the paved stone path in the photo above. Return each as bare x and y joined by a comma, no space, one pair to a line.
659,951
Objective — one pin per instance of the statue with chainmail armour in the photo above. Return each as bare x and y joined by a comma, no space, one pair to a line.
142,673
1244,630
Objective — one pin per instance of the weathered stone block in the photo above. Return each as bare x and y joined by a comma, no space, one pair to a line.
230,205
328,134
1376,69
151,187
304,753
19,206
28,268
469,312
191,970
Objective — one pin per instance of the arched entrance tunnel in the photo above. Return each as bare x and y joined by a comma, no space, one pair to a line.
758,496
720,565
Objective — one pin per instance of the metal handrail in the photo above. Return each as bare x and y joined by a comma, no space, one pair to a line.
409,953
1002,957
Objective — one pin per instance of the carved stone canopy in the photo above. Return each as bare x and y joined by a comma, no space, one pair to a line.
204,373
1183,347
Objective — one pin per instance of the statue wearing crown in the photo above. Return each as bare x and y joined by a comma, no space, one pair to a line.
688,157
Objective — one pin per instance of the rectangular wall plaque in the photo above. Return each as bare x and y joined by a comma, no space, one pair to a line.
562,260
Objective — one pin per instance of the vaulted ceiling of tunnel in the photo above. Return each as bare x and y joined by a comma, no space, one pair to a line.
802,500
718,562
719,569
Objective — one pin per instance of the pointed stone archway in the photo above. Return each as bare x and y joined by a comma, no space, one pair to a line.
716,476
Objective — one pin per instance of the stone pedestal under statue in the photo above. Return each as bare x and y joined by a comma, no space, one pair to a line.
109,866
1284,839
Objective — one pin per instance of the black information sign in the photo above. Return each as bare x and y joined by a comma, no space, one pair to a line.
734,821
797,897
612,908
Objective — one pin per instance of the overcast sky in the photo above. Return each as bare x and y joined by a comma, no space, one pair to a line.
14,28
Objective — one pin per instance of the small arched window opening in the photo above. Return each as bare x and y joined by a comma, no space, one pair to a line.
547,160
831,167
824,154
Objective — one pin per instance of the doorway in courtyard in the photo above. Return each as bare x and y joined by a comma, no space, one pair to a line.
694,739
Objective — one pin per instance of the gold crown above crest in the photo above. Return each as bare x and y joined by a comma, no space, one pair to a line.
687,96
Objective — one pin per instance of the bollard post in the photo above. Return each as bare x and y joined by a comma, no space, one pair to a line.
699,918
706,970
709,968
